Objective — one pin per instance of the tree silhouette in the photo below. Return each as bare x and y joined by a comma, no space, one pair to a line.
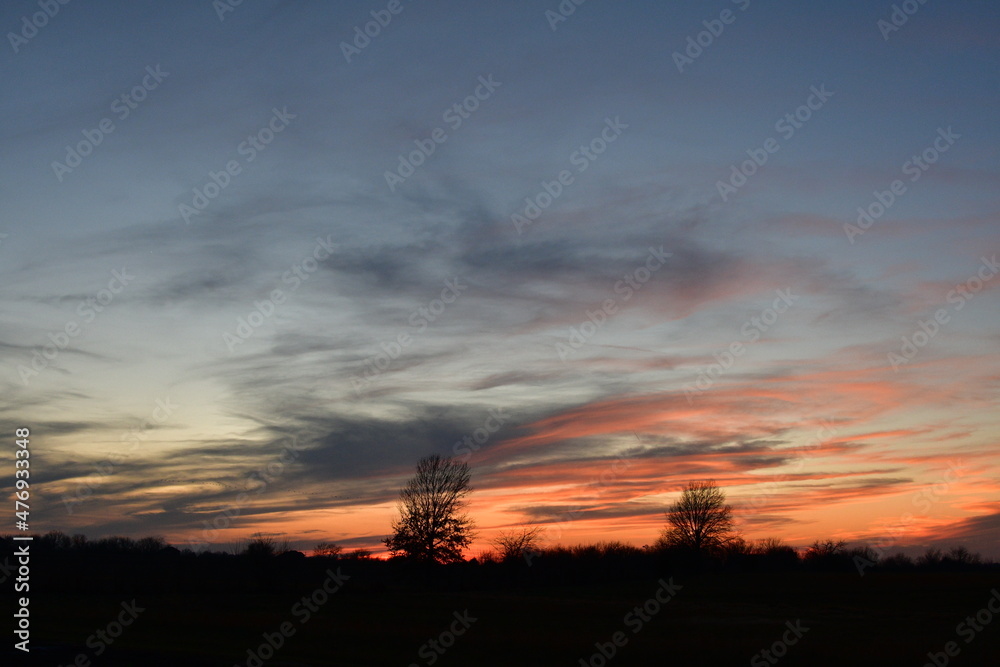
700,520
821,549
328,550
514,544
261,545
431,527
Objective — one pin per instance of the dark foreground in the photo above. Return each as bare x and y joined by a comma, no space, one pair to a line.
806,618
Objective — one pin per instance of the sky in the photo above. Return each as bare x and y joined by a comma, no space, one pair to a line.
257,259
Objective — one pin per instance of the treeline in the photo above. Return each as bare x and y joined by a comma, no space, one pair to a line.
149,565
769,555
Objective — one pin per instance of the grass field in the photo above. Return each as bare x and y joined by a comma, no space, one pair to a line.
880,619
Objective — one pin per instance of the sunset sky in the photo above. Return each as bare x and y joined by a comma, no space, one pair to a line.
258,260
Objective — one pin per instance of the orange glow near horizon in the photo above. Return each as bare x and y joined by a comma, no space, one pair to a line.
816,454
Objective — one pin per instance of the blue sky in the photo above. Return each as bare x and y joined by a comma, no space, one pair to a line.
310,253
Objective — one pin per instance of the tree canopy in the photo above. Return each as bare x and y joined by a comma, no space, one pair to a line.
431,526
700,520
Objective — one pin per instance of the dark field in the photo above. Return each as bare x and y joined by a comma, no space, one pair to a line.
714,619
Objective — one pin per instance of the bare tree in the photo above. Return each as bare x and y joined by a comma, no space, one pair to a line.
513,544
262,545
700,520
431,526
962,556
826,549
328,549
770,545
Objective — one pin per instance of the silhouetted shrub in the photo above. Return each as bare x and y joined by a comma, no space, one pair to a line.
896,563
931,559
513,544
328,550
